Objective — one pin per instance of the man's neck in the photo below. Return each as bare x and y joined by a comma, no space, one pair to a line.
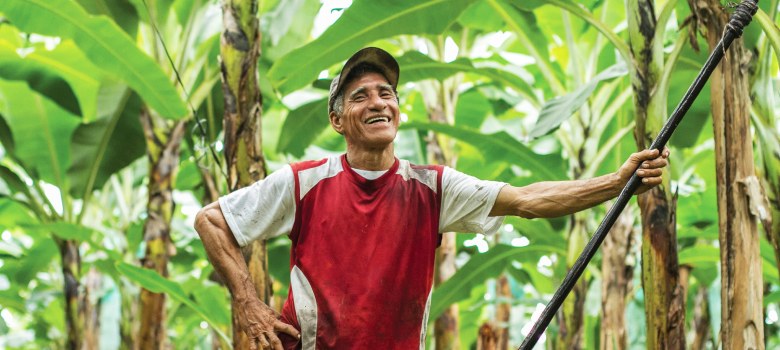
370,159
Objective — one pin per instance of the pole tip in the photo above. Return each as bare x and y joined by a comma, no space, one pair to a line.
742,16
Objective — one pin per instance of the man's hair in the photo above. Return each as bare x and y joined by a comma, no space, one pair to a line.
357,72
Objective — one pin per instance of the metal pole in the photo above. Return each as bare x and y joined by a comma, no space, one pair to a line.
742,15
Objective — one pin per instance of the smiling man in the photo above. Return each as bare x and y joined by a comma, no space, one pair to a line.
365,225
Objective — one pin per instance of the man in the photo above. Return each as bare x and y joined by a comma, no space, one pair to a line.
364,226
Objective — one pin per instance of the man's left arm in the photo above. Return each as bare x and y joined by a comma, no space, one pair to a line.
558,198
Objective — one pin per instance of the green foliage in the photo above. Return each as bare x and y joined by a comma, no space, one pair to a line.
40,78
75,73
155,283
555,111
302,126
501,146
481,267
45,129
97,149
106,45
361,24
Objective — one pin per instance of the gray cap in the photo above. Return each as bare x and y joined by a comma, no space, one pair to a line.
374,56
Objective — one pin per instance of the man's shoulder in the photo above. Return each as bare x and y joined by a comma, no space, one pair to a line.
310,164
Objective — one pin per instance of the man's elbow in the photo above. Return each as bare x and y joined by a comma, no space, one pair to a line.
206,219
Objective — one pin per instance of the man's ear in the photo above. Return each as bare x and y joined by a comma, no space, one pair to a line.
335,122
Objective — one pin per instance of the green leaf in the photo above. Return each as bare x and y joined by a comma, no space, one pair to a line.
14,214
697,117
362,23
416,66
121,11
44,128
559,109
472,109
523,25
538,231
709,256
302,126
577,10
500,146
103,147
542,283
700,256
279,260
11,299
152,281
6,137
35,259
481,267
106,45
13,181
286,27
771,30
71,64
38,77
481,16
772,298
66,231
214,301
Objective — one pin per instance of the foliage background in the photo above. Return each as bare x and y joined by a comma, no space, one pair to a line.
528,91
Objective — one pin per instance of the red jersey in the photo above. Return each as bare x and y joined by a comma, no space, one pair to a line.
363,250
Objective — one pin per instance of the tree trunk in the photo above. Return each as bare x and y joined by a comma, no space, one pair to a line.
71,272
701,321
488,338
503,311
616,276
128,326
163,146
664,300
742,323
571,316
92,311
239,52
445,328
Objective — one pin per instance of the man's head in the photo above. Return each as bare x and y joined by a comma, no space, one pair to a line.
363,103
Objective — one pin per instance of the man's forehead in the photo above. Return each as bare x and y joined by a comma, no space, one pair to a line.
367,80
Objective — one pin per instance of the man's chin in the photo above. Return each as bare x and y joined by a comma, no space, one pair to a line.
380,141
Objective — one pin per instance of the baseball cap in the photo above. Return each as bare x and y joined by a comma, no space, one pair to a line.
374,56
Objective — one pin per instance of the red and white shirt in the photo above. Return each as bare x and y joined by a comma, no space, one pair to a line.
362,259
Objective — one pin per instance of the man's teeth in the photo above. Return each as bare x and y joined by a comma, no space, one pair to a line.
377,119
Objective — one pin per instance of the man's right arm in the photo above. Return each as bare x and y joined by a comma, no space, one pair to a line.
257,319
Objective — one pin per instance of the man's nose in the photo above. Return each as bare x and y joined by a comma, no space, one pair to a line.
377,102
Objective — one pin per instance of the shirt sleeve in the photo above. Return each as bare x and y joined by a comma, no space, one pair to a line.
466,202
264,210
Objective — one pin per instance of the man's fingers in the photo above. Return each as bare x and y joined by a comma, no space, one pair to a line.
281,327
650,172
652,181
264,342
276,344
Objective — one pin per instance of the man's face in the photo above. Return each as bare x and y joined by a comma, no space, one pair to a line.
370,114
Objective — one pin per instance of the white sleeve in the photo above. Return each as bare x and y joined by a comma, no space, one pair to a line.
264,210
466,202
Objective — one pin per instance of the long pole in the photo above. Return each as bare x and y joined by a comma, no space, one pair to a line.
742,15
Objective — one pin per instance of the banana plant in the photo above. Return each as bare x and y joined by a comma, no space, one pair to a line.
97,144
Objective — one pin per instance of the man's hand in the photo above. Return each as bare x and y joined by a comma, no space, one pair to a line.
261,324
650,171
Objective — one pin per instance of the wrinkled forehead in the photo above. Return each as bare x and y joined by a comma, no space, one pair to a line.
366,81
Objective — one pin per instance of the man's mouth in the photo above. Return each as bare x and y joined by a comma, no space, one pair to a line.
373,120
